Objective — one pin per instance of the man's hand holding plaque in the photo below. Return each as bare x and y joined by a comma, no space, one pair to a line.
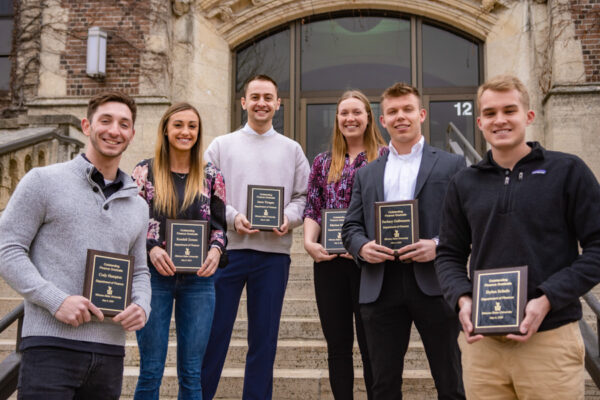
265,209
499,297
397,226
107,284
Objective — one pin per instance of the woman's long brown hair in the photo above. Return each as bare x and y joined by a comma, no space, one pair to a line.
165,196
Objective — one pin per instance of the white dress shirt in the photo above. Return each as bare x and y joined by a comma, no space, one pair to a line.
400,176
247,129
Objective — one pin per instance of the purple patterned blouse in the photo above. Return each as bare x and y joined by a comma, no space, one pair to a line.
335,194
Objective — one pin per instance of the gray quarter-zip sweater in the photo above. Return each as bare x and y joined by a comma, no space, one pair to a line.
54,216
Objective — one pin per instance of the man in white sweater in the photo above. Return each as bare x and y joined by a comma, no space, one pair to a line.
254,155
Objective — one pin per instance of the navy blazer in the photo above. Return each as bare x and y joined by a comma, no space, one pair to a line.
437,167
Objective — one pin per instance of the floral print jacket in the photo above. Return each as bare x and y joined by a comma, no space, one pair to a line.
210,206
321,194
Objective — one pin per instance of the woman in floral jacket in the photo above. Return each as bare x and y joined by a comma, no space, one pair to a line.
178,185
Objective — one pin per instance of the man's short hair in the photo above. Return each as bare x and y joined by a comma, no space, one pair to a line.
400,89
504,83
106,97
259,77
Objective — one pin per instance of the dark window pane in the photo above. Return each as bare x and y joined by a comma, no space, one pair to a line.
448,59
6,26
6,7
355,52
376,113
441,113
4,73
270,56
278,122
319,128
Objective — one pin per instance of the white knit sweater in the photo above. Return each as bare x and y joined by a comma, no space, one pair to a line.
246,158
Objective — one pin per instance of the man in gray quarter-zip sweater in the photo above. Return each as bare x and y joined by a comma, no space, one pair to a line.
54,216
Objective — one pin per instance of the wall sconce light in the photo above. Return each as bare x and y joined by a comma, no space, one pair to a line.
96,53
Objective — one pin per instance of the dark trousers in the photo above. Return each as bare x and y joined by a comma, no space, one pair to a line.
336,289
265,276
388,323
52,373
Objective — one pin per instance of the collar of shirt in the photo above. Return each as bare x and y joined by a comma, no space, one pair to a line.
108,187
415,151
248,130
401,170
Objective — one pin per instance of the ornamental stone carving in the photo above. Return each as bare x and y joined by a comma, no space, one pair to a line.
241,20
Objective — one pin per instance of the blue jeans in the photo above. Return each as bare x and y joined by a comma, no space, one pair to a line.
194,308
53,373
265,276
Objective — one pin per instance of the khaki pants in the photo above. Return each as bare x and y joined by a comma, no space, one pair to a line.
550,365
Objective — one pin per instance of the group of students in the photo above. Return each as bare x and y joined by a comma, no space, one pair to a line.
522,205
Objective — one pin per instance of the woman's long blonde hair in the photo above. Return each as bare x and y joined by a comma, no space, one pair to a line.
166,200
371,138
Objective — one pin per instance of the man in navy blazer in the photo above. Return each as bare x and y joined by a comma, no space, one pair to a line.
396,291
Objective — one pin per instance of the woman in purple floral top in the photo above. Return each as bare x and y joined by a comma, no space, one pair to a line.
356,141
178,185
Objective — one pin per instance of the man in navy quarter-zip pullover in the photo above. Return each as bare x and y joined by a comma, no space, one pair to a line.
522,205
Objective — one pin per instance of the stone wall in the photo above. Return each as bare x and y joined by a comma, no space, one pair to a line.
163,52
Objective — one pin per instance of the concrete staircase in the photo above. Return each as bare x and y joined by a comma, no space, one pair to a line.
301,362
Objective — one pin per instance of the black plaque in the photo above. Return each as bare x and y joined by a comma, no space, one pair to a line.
332,220
499,297
396,223
265,207
108,278
187,242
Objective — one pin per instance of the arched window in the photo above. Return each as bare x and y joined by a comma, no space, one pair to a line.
315,59
13,173
41,158
27,164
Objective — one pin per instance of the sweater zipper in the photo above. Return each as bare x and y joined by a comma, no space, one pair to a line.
506,200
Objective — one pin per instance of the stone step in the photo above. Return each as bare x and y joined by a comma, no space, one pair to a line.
292,307
302,354
300,272
305,384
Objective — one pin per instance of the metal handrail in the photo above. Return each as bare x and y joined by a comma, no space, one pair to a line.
9,367
463,142
592,339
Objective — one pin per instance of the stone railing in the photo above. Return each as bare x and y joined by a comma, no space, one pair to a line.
34,141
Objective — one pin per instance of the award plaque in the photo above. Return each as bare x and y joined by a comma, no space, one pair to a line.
396,223
265,207
499,297
187,242
108,279
332,220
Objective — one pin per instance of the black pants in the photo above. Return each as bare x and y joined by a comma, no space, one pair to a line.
336,288
52,373
388,322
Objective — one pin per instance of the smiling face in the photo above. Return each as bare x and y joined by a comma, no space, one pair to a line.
352,118
503,120
110,131
261,102
402,118
182,130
